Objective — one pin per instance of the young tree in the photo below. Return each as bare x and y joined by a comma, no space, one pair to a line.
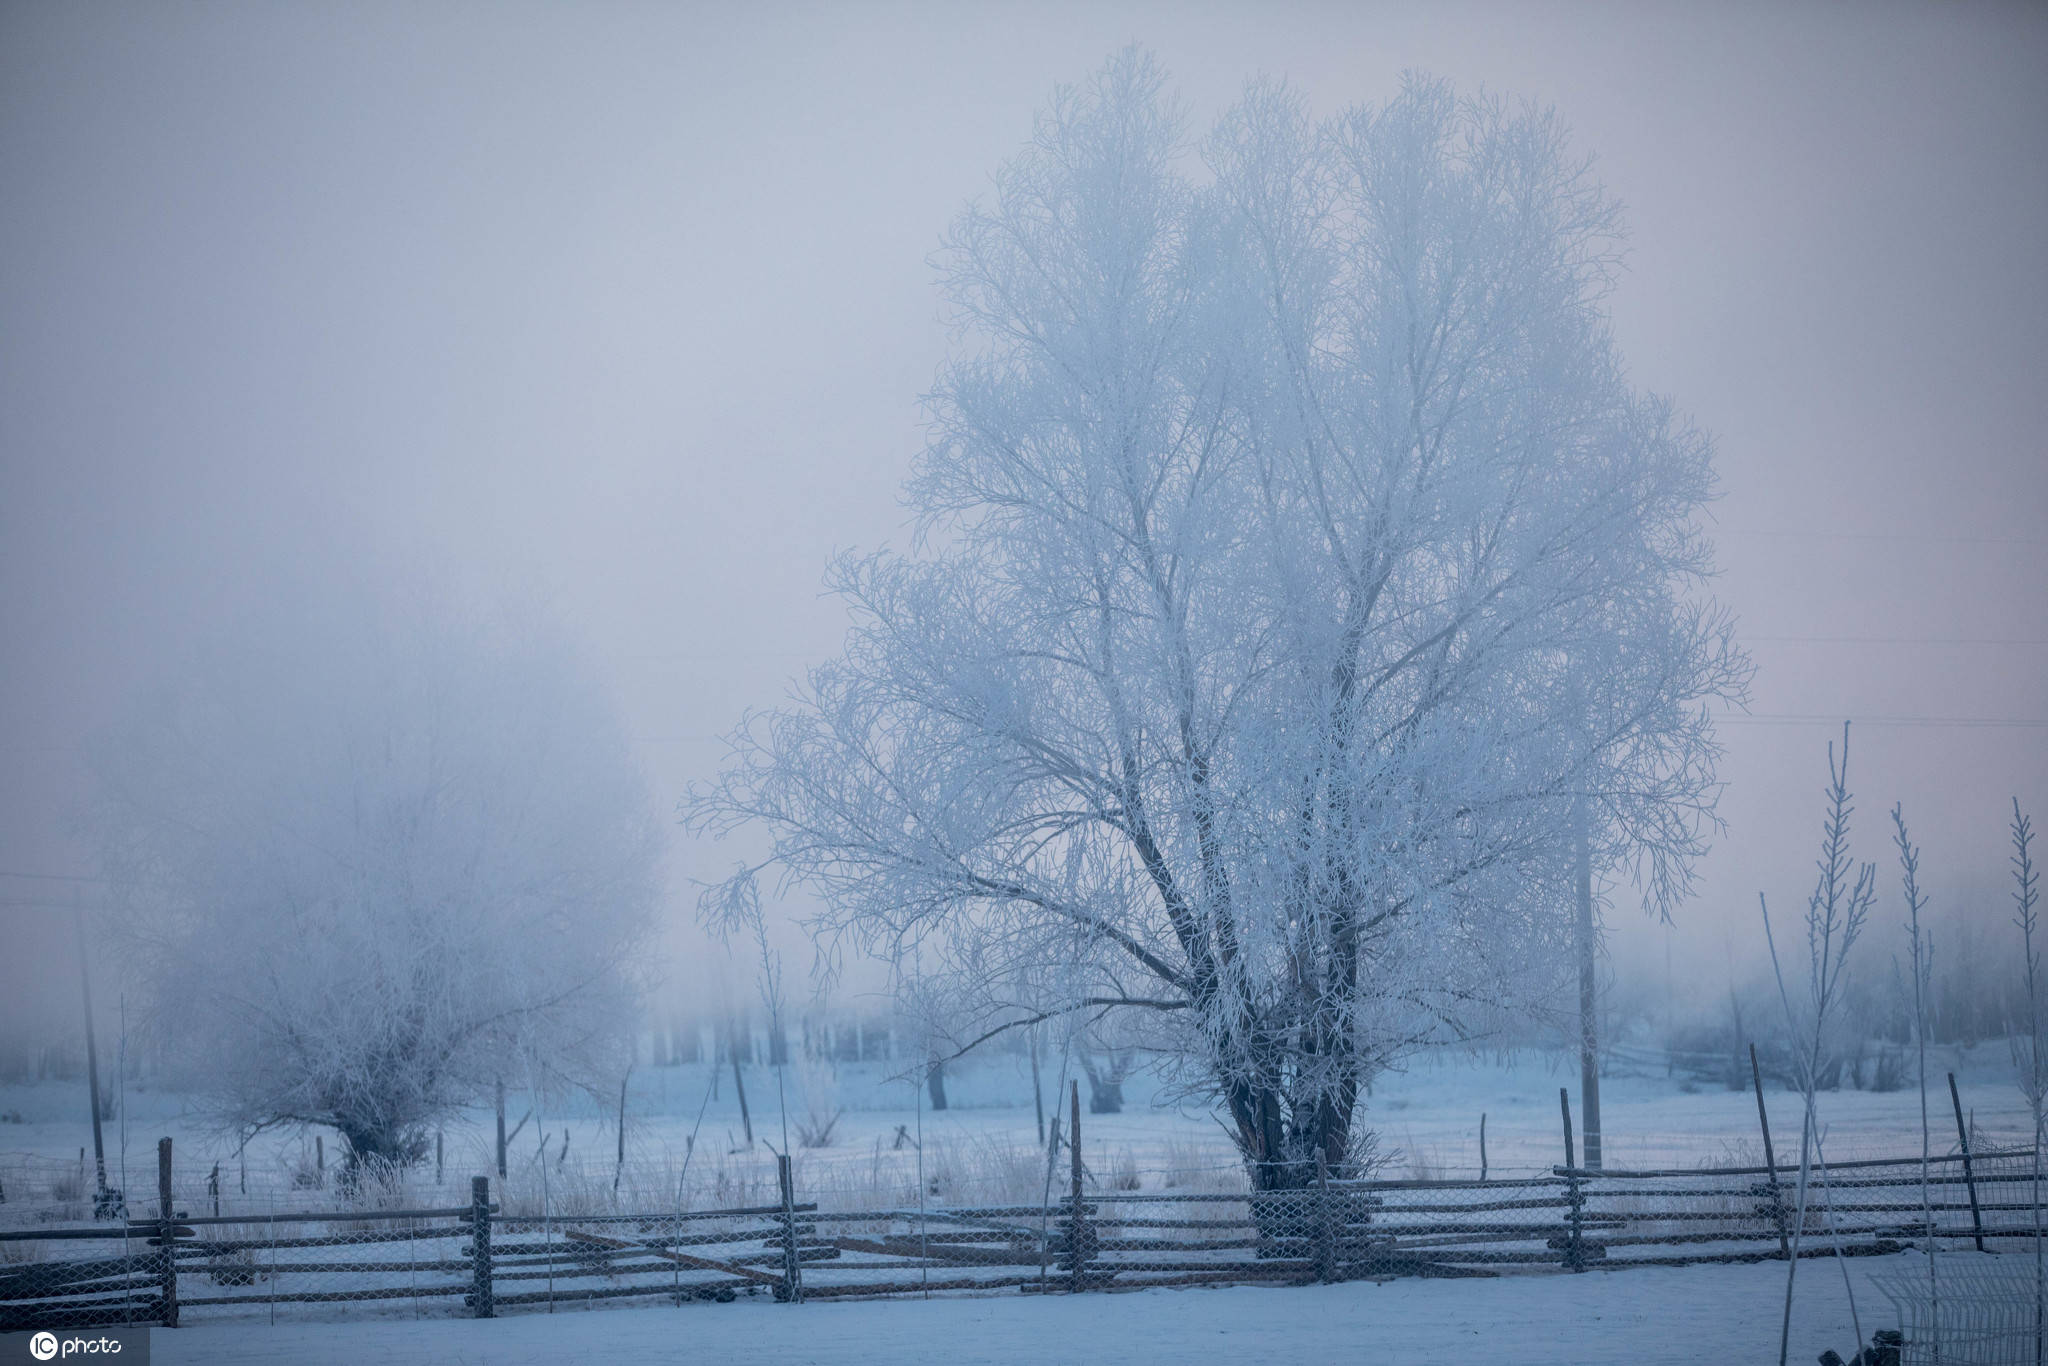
1301,560
373,855
2029,1039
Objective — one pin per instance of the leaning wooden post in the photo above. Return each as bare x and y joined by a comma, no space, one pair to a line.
1574,1251
1076,1245
1763,1120
1969,1176
792,1288
620,1169
1482,1145
167,1232
481,1302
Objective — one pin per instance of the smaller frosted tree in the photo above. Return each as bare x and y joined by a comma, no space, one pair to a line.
372,855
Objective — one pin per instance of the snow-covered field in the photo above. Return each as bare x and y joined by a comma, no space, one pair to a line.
1430,1113
1707,1313
986,1144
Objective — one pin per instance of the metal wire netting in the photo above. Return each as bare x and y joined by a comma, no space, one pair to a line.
1059,1222
1969,1314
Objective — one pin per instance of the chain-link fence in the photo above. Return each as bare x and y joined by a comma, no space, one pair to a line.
1060,1224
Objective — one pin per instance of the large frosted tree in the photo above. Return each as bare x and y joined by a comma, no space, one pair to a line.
1300,564
373,853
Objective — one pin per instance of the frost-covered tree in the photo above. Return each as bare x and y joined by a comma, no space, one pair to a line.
373,854
1298,561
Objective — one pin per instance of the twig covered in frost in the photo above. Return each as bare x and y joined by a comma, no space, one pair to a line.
1921,948
1835,913
2030,1050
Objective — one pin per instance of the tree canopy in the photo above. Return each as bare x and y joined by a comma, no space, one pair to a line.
1299,564
372,852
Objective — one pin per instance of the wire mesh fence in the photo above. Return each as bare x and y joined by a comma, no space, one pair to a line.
1054,1223
1969,1314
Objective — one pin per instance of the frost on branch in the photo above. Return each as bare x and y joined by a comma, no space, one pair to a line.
372,855
1297,557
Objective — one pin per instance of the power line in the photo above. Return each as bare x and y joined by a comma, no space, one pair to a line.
713,656
1879,536
1954,722
53,877
1894,640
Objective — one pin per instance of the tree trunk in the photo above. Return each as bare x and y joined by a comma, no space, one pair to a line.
935,1084
1105,1085
1589,998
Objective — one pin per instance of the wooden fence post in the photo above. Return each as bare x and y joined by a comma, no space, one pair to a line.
167,1232
481,1302
1969,1176
1326,1238
1770,1156
1076,1247
1482,1145
1574,1250
792,1288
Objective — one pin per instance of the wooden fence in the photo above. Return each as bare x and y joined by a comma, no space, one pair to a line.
484,1260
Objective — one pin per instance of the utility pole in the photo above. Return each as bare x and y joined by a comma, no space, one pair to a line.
1589,1038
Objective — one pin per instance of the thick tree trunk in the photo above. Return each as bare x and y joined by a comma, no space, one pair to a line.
376,1148
935,1085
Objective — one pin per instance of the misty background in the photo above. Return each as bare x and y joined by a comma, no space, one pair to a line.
627,308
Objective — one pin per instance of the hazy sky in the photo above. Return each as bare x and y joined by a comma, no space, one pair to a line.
629,305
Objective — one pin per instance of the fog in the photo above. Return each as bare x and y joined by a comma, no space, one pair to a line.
628,309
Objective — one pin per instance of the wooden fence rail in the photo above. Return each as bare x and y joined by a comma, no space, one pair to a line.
485,1259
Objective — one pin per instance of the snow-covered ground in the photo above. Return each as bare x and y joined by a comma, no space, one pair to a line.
1430,1113
1706,1313
986,1145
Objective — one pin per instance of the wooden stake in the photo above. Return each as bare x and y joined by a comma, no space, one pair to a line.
1574,1253
1770,1157
620,1169
1564,1106
1969,1176
167,1229
792,1289
1482,1145
481,1302
739,1086
1326,1235
1074,1224
101,1204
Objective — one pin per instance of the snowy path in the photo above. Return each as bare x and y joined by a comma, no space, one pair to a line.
1707,1313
